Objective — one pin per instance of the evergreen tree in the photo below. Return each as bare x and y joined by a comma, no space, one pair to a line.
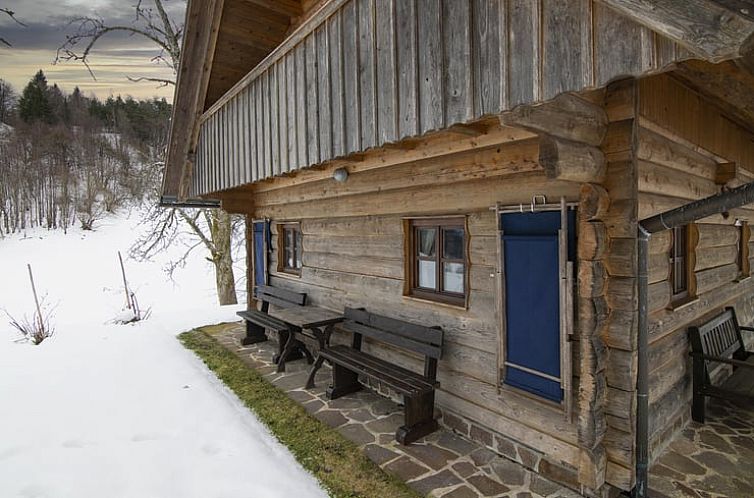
34,104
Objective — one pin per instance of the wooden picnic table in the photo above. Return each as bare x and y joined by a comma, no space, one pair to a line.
307,323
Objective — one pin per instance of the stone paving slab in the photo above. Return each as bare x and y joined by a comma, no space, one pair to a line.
442,465
711,460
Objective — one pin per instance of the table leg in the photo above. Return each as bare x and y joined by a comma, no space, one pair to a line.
323,338
290,343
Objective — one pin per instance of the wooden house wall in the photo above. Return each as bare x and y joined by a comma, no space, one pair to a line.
681,139
373,72
353,244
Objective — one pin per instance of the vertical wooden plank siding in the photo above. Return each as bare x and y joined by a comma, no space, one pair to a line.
408,68
561,47
274,118
290,81
252,133
301,121
337,103
282,115
487,56
368,95
323,92
617,45
431,115
351,89
456,30
312,104
387,81
378,71
523,40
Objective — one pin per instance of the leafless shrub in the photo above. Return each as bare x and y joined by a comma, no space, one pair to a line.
35,328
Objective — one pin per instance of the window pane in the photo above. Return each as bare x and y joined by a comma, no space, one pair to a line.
426,246
299,250
453,277
427,274
453,242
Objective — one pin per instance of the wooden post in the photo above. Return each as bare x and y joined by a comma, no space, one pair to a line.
125,282
36,300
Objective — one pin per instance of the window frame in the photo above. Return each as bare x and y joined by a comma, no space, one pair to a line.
744,234
679,297
440,224
283,249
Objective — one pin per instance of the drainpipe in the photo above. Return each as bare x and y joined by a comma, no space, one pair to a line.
720,203
642,370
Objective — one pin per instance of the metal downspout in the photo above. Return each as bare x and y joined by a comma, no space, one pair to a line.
642,372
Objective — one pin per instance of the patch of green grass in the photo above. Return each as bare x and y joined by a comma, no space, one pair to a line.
341,467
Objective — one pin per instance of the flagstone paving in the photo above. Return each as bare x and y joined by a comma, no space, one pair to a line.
442,465
710,460
713,460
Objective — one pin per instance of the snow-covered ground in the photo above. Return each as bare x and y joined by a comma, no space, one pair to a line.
103,410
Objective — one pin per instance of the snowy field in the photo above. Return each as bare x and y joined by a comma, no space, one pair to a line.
103,410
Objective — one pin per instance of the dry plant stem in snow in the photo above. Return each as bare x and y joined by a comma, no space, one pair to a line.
38,328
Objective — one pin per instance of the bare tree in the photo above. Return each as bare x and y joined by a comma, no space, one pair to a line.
212,228
12,15
7,101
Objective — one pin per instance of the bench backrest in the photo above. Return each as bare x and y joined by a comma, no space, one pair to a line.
719,337
426,341
279,297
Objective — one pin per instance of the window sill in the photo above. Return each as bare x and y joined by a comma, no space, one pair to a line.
457,307
291,276
508,394
682,303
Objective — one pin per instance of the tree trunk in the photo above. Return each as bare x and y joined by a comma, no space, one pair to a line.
221,231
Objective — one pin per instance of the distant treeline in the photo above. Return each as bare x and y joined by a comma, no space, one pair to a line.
70,157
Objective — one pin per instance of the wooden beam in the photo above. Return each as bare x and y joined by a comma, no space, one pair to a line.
197,56
572,161
566,116
709,28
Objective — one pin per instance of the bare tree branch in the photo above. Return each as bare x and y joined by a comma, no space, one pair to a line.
12,15
161,81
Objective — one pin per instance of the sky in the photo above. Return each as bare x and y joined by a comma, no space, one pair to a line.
115,57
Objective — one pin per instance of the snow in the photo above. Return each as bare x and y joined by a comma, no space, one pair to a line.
113,410
5,130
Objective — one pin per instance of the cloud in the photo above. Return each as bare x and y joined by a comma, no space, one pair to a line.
116,55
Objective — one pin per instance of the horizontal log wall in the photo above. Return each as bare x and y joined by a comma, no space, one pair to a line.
353,243
376,72
680,144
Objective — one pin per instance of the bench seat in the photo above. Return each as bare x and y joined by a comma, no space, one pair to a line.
417,389
402,380
263,320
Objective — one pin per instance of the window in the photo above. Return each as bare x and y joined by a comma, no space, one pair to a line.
290,248
438,259
679,263
744,235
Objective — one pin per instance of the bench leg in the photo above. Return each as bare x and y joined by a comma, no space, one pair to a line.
344,382
254,334
698,398
419,418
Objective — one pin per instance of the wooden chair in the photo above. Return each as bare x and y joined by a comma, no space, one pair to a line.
719,341
418,390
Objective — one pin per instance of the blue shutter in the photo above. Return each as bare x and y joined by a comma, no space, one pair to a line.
261,240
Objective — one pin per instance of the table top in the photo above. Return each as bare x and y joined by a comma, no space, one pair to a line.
307,317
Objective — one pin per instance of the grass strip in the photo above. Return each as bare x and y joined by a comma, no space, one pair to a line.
339,465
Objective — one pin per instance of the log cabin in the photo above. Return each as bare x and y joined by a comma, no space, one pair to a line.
482,166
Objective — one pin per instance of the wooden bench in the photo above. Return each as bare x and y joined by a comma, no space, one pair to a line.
258,321
720,341
418,390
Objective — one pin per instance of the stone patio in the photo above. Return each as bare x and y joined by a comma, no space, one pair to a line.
713,460
710,460
443,464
